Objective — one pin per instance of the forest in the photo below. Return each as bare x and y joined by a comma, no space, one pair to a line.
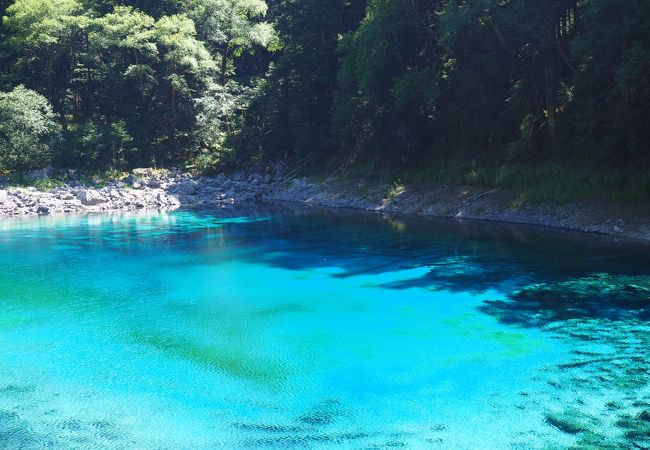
485,91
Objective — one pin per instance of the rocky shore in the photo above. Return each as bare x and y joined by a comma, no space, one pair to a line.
167,190
142,189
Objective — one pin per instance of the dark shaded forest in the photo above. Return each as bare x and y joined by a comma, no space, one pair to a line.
483,91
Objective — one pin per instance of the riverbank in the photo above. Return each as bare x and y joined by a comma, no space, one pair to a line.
473,203
167,190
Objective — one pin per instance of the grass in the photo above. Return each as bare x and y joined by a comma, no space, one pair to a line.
47,184
96,179
43,184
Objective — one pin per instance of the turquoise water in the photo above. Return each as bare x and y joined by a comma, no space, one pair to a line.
304,329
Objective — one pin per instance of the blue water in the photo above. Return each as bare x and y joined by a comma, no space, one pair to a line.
296,328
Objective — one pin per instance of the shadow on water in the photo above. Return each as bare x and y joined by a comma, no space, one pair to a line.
592,292
544,275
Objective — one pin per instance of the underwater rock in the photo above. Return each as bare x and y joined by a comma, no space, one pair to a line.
566,422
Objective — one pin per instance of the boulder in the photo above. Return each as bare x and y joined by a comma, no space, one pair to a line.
186,187
66,195
90,197
35,175
129,180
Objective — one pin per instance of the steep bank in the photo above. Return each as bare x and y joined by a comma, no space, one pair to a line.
147,189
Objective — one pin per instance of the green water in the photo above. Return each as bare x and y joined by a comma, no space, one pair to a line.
296,328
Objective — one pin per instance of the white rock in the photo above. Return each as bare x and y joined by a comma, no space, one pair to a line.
91,197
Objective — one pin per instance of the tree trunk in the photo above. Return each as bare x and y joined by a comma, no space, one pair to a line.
224,65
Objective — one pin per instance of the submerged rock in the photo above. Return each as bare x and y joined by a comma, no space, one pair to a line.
568,422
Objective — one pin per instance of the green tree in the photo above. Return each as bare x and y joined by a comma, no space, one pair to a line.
292,117
390,79
153,8
46,38
611,106
27,130
233,27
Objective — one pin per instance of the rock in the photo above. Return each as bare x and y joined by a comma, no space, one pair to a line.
91,197
43,211
566,423
129,180
4,196
35,175
187,187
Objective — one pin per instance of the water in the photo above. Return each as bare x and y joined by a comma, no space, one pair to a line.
305,329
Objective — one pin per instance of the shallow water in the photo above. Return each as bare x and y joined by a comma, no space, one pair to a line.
295,328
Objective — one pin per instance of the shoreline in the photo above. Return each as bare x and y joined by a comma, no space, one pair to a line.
475,204
165,190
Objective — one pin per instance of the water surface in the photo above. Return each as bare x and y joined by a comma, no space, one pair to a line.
296,328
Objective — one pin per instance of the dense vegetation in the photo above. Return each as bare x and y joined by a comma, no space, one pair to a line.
135,83
426,88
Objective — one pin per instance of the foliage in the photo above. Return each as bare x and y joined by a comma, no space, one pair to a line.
233,27
292,116
27,129
129,80
403,86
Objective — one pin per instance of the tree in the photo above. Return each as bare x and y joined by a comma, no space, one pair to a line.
27,129
46,38
292,117
153,8
233,27
186,68
611,106
389,80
